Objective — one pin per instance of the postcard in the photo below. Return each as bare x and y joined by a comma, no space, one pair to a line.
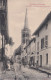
25,39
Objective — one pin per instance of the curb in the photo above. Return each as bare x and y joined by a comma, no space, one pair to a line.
40,70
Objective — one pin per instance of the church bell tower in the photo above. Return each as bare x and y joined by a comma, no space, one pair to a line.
25,31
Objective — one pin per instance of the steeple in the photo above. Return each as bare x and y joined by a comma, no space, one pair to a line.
26,20
25,31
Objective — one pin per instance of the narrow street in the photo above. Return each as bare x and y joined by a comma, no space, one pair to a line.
24,74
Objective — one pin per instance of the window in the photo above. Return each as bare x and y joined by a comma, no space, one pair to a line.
4,3
38,35
27,35
42,43
23,41
38,60
46,58
26,50
37,53
32,53
46,41
46,25
37,46
27,41
0,2
23,35
34,60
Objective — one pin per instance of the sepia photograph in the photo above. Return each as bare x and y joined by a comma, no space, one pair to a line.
25,35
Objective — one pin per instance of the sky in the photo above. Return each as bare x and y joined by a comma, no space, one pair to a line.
37,11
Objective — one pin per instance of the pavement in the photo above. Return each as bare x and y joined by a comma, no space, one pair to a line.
34,74
25,73
43,70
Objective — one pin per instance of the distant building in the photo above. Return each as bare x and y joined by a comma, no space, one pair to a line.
43,43
30,49
17,54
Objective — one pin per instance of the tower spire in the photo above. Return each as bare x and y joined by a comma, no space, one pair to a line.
26,20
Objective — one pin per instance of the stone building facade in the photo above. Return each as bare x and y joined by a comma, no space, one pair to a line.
4,37
43,43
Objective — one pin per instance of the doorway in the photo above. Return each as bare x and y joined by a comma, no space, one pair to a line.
40,60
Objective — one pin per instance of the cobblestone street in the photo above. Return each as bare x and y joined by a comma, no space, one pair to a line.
24,74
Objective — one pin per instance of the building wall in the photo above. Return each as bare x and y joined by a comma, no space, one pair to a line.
28,52
32,46
35,47
31,51
42,33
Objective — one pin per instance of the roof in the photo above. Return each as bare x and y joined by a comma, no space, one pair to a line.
26,23
18,51
48,17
